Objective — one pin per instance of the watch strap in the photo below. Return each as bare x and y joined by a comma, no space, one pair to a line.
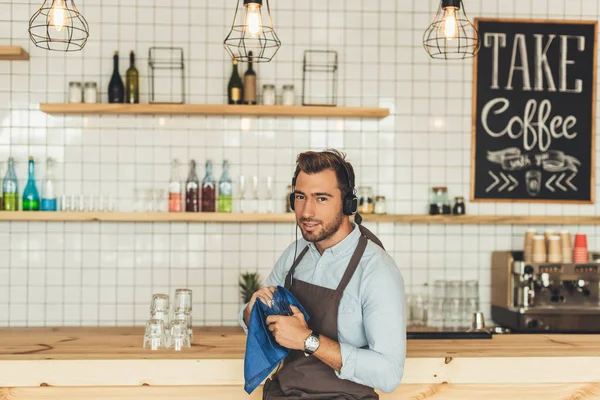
308,352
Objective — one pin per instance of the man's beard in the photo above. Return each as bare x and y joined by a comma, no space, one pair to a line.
325,232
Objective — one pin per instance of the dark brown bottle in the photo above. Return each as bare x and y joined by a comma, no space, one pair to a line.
209,190
192,190
250,82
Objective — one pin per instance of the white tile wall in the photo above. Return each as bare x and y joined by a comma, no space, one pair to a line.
104,273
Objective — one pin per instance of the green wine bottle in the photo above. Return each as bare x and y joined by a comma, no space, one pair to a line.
132,79
235,89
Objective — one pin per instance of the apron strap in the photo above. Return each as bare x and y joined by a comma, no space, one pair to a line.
353,264
371,236
288,277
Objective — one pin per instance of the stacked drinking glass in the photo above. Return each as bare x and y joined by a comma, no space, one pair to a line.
165,332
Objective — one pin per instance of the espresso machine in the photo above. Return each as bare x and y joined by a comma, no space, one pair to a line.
545,297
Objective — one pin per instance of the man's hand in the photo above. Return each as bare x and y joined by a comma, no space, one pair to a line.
265,295
291,331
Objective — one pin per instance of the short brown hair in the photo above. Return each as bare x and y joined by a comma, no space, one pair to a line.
312,162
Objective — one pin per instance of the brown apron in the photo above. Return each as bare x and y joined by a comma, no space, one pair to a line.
304,377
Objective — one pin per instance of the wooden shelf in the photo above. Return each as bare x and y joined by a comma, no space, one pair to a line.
215,109
289,218
13,53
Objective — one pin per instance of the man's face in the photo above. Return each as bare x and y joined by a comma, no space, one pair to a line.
318,205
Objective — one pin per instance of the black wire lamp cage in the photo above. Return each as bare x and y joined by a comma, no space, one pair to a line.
451,35
252,31
58,25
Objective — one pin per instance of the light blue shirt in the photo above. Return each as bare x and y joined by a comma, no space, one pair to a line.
371,316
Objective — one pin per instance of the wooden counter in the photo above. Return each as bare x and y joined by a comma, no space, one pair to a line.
110,363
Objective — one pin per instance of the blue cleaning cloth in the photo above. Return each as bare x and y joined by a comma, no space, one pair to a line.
263,353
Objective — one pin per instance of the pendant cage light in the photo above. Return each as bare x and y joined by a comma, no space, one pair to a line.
451,35
252,32
58,25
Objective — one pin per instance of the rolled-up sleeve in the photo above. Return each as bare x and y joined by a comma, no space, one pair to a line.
381,365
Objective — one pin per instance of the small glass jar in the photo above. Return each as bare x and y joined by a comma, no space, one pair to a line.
288,98
75,93
459,206
439,203
380,205
365,200
269,95
90,94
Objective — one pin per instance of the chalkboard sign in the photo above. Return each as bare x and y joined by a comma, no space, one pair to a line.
534,102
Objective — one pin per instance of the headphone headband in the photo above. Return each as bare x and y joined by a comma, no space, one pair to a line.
342,162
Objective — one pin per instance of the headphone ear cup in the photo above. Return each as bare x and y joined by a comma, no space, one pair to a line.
350,205
292,199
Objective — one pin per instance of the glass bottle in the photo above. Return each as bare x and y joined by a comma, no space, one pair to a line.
459,206
10,188
225,190
132,92
116,89
192,190
31,196
235,89
208,190
250,82
439,202
48,194
175,201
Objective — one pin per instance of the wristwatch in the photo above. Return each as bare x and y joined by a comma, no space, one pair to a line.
311,343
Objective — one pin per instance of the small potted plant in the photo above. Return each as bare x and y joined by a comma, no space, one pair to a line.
249,283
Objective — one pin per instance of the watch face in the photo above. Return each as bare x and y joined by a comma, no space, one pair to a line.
312,343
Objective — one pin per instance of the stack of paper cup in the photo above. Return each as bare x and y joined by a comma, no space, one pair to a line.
528,253
580,249
539,249
554,250
566,247
548,234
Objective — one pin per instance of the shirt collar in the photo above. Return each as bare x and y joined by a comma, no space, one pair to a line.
348,243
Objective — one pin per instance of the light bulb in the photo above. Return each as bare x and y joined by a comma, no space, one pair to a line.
449,26
58,15
253,20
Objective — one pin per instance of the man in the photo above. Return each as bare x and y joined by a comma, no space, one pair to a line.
355,340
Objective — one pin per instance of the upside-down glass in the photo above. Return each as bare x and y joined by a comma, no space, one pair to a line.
187,319
179,335
160,302
155,336
183,301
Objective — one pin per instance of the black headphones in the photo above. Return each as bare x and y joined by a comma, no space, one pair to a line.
349,202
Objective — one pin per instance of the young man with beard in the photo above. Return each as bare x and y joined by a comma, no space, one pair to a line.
352,290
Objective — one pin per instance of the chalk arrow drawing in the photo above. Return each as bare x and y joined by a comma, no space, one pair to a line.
568,181
558,182
515,183
549,182
493,185
506,182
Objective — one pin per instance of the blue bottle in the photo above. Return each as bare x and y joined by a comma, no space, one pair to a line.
49,195
31,196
